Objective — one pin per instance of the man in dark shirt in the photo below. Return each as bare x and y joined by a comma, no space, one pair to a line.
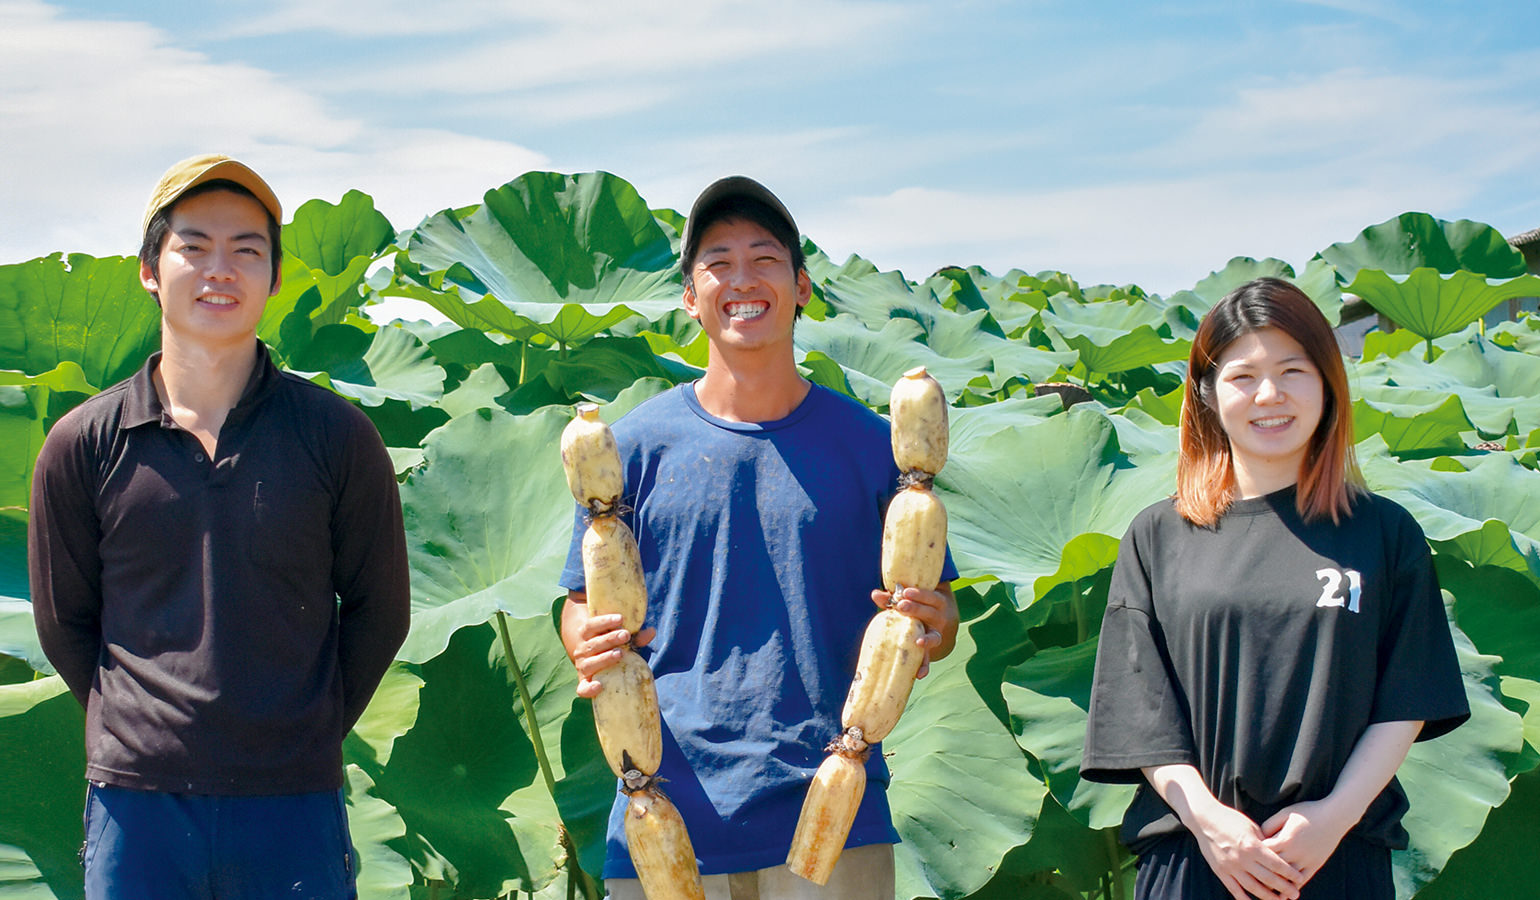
219,574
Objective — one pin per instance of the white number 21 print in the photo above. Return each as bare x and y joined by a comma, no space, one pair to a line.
1331,589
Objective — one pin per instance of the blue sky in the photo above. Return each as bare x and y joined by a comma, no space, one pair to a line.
1121,142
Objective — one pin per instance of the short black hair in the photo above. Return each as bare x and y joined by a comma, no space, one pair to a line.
740,207
160,226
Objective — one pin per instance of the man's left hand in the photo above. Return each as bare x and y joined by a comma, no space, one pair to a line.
936,610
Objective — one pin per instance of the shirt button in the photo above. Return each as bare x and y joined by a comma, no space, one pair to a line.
198,457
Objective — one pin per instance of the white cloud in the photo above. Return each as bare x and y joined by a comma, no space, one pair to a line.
1357,117
524,47
1163,235
93,111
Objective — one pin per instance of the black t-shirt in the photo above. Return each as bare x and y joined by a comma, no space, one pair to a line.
1260,650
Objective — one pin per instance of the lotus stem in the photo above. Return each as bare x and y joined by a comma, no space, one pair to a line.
575,872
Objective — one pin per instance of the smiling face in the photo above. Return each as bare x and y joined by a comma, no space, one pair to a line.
742,288
214,273
1269,398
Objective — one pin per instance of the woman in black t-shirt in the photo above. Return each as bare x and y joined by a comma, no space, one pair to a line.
1275,639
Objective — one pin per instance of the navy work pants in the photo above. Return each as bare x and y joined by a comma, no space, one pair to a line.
146,845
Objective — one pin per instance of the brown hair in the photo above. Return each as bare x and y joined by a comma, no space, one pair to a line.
1205,473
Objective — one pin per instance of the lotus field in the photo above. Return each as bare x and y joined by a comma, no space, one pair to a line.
476,772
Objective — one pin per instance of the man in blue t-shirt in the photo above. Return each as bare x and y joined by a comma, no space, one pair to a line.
757,500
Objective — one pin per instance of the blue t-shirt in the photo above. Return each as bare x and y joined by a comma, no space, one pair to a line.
761,544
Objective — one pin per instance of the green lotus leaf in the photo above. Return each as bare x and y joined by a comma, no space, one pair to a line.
1048,696
13,557
672,223
487,314
1319,282
874,360
67,377
977,423
87,310
961,793
1064,859
1142,435
478,812
309,300
571,254
1113,336
23,411
18,632
483,388
21,880
1454,781
1527,694
1522,334
675,334
1015,498
332,238
374,827
1164,408
1431,304
1413,433
42,791
1485,516
970,335
1395,343
1416,240
328,250
1012,299
820,369
488,522
1496,386
1499,609
393,366
1496,863
391,713
605,366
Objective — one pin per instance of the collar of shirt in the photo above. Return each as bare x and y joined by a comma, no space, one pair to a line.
143,407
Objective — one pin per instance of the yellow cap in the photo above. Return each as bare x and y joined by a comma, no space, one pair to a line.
192,172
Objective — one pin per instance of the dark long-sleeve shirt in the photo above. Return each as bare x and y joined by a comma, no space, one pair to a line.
224,621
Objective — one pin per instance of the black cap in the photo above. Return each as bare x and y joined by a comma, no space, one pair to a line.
725,189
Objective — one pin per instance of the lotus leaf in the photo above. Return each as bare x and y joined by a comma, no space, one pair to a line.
1395,343
1499,609
1319,282
332,238
82,309
961,794
1416,240
1164,408
1048,696
874,360
1412,432
1016,497
18,633
1064,859
488,522
1495,385
570,255
1430,304
393,365
1495,864
1485,516
42,791
465,780
1454,781
1113,336
375,828
605,366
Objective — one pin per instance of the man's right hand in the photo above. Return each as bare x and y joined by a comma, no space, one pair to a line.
594,643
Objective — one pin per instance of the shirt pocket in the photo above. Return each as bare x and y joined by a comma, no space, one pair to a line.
291,528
